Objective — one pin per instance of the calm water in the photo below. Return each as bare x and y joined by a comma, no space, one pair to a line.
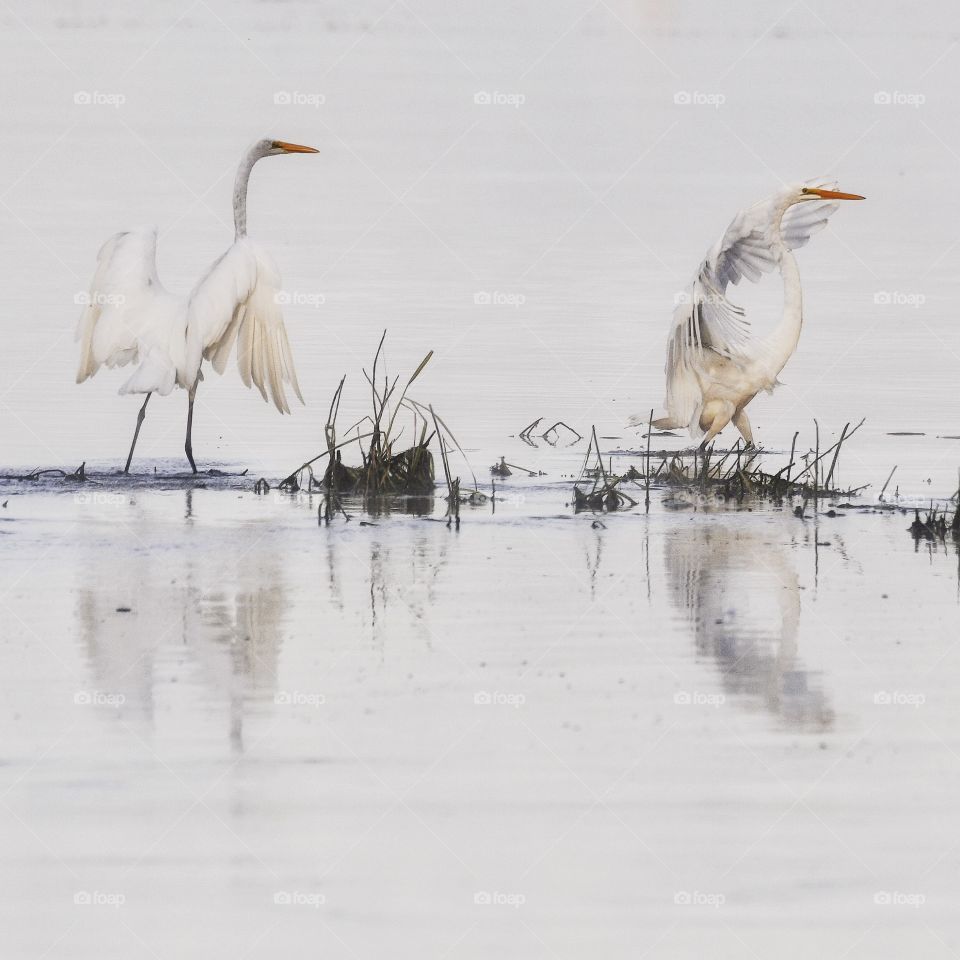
666,731
228,731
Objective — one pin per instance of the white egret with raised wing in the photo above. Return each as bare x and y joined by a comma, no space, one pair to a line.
715,363
129,317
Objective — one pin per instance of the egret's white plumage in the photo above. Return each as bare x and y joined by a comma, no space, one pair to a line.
715,363
131,318
237,303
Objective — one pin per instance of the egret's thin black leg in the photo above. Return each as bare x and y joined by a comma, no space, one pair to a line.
136,433
188,445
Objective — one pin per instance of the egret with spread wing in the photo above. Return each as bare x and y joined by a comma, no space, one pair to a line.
715,364
130,318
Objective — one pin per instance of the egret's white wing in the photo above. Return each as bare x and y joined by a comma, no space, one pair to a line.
237,303
745,250
128,315
748,248
706,318
684,394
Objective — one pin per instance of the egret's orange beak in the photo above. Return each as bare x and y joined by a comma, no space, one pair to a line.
293,147
833,194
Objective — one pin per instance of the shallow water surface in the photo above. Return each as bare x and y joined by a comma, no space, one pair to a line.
541,734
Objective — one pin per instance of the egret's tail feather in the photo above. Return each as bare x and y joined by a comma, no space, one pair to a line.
667,423
661,423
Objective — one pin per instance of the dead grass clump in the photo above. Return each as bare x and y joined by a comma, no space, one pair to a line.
739,473
604,492
386,469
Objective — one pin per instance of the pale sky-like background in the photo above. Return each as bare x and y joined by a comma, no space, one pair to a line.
581,199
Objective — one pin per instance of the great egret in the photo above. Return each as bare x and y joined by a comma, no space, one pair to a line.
130,318
715,364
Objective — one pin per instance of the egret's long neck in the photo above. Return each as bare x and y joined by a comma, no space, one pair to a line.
779,346
240,194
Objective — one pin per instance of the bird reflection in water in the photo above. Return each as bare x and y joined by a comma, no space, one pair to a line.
741,594
147,622
242,637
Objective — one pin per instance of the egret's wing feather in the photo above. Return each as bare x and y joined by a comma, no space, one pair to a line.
745,250
803,220
236,303
122,302
684,399
748,249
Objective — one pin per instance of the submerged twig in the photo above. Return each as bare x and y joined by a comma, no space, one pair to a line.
605,493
